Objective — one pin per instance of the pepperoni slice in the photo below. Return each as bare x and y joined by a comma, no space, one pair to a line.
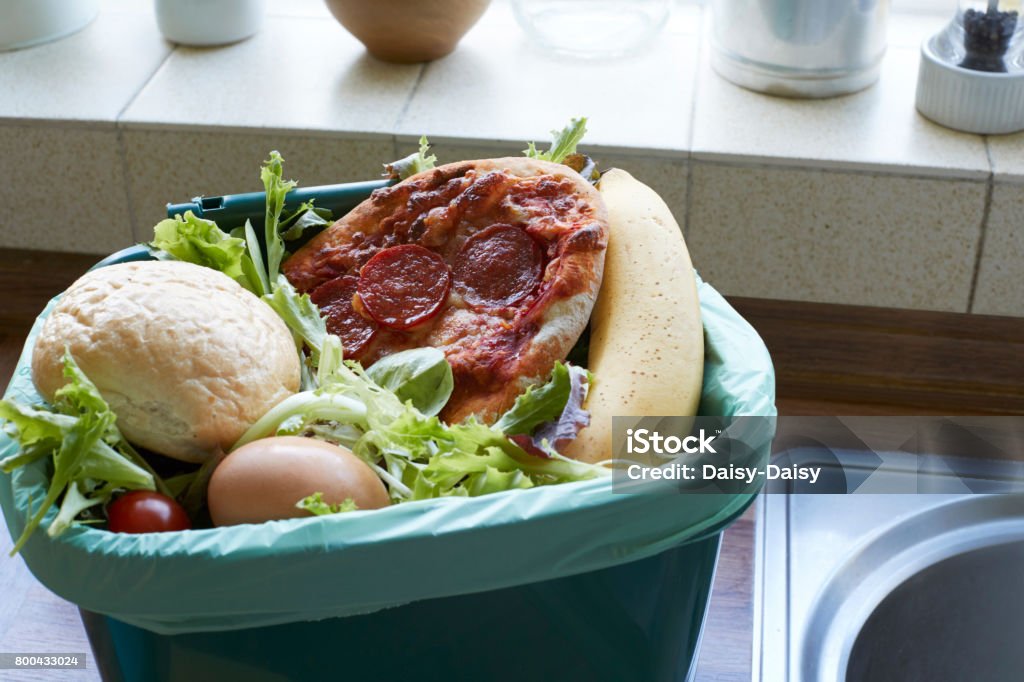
334,297
498,267
403,286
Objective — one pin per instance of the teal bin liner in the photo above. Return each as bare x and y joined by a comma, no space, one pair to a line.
562,582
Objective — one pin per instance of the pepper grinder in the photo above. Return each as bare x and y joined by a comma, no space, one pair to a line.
972,72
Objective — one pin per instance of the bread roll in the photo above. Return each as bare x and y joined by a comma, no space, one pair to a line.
186,358
647,341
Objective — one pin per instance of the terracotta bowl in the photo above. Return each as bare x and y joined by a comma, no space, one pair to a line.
408,30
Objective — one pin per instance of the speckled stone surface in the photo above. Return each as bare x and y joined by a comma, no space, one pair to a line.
87,76
1007,153
1000,288
835,237
667,177
63,190
500,86
877,129
448,152
857,199
174,166
306,74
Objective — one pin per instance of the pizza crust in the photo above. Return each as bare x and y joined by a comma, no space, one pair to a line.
495,355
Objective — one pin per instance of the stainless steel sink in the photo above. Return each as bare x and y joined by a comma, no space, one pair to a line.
892,587
959,619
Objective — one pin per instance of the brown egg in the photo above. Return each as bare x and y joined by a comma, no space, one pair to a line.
263,480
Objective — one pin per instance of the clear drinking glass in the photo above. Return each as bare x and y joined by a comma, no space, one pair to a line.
592,28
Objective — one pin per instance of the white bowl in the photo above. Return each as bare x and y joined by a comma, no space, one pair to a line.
971,101
24,23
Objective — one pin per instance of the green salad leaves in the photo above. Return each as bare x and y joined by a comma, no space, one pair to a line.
91,459
416,162
563,142
199,241
421,376
276,189
414,452
315,505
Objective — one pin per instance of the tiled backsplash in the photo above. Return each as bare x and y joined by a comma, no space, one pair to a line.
852,200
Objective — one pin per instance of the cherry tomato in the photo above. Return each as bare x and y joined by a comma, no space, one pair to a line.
141,511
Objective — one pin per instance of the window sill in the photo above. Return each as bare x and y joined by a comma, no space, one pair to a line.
854,200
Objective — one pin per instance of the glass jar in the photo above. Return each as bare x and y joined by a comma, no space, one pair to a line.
592,28
986,35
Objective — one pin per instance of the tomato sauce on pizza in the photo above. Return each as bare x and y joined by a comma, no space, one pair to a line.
497,262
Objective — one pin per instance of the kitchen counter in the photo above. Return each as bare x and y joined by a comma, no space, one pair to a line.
855,200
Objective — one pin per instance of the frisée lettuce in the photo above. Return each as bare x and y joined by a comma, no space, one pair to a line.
417,454
90,457
417,162
563,142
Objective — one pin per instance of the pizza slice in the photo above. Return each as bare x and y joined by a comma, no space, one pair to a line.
497,262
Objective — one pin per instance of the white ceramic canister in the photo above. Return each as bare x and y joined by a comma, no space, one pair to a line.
209,22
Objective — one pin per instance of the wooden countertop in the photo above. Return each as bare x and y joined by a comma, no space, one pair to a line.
830,360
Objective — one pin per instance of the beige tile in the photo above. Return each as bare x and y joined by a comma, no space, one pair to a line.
449,152
499,86
299,8
305,74
174,166
666,176
877,129
64,190
685,18
911,29
835,237
1007,157
1000,288
89,76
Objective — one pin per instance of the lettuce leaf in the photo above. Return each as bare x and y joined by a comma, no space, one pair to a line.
420,375
195,240
300,314
417,454
552,435
276,189
538,404
90,457
315,505
563,142
305,217
412,164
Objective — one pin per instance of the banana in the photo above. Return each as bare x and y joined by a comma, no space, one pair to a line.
647,341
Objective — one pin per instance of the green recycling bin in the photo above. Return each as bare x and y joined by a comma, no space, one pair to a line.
568,582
